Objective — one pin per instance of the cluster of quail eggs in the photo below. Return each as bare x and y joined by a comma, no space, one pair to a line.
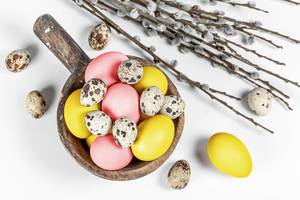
17,61
153,101
124,129
114,104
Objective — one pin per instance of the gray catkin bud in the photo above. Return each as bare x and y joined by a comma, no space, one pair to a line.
146,23
121,13
134,13
183,49
152,48
176,41
151,6
186,39
254,75
178,15
228,30
94,1
137,37
198,49
250,40
205,87
161,27
187,29
174,63
212,2
177,26
251,4
150,32
208,36
201,26
258,23
79,2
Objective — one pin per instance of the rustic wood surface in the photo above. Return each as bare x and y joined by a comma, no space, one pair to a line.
60,43
73,57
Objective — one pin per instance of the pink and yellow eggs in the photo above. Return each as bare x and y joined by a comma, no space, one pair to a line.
155,134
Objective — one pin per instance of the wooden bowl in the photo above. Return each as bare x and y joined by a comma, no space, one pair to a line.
73,57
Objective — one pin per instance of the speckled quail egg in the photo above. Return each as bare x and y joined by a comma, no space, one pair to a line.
17,60
179,174
260,101
35,104
151,101
98,122
124,131
130,71
173,106
99,36
92,92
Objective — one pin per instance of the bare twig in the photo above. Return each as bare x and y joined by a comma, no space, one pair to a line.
292,2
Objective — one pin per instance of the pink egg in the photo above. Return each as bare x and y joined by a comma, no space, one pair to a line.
121,100
105,67
106,154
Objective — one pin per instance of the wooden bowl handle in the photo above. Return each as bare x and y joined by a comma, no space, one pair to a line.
62,45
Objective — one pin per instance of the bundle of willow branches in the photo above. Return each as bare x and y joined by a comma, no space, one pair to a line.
190,28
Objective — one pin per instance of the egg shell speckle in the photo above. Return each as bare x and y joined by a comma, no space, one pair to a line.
17,60
260,101
124,131
92,92
98,122
99,36
130,71
151,101
179,174
35,104
173,106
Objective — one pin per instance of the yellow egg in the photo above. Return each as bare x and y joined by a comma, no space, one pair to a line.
155,136
74,114
152,77
90,140
229,155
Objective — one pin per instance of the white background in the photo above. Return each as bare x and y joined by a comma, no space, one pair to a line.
34,164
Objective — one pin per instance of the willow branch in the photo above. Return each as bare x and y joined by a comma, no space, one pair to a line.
255,52
93,10
196,10
246,5
237,57
155,20
292,2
